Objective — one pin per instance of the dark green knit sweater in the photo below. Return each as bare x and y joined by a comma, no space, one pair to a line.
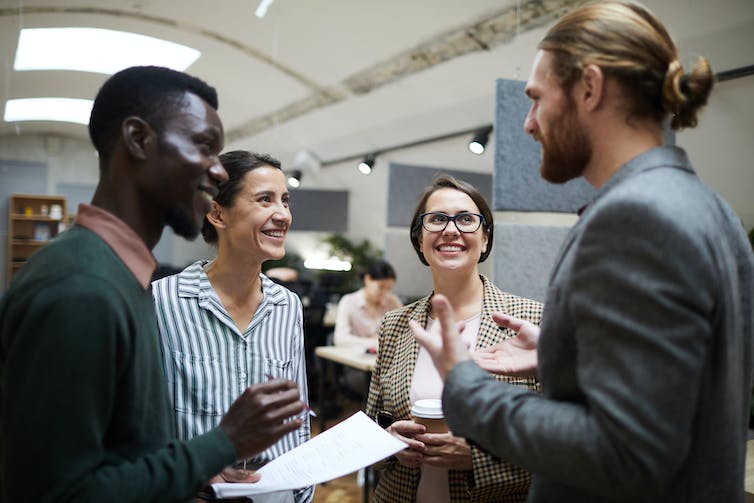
84,413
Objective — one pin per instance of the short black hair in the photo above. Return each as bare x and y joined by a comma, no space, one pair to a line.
149,92
379,269
237,163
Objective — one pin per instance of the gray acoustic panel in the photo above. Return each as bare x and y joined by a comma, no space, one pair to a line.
668,135
518,185
413,278
319,210
524,256
406,183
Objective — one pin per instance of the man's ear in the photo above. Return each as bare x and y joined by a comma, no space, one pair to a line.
137,135
216,217
593,87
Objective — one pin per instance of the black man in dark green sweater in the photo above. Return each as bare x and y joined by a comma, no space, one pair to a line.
84,413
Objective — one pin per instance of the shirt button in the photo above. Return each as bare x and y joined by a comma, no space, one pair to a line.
243,376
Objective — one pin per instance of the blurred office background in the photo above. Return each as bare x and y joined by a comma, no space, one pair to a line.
325,85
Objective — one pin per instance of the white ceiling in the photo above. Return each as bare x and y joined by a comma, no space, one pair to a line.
343,77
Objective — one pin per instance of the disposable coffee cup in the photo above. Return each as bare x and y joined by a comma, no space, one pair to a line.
429,413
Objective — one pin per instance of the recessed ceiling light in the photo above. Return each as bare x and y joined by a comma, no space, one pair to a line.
48,109
97,50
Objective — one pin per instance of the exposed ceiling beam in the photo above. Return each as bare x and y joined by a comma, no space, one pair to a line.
484,34
172,23
494,29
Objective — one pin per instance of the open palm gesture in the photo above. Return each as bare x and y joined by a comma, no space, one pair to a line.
516,356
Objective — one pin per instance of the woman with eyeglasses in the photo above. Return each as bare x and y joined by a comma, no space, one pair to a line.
452,232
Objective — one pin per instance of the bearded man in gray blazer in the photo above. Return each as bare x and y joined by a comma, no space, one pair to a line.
645,347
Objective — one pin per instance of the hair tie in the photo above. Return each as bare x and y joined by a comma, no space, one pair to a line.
684,84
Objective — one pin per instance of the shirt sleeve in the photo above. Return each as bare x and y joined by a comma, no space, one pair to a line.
299,374
306,494
344,334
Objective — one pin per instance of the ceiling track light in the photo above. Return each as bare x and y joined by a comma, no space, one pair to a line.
403,146
367,165
294,179
479,142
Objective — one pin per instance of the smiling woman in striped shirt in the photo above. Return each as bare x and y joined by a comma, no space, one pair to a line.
223,324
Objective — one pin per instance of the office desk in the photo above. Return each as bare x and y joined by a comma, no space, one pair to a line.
348,357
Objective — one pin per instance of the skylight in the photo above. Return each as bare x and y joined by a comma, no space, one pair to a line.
96,50
48,109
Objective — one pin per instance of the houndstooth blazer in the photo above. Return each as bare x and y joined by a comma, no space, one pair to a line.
491,480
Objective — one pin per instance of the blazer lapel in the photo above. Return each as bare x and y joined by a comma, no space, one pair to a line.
409,346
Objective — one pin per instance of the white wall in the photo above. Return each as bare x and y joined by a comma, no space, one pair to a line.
69,160
721,147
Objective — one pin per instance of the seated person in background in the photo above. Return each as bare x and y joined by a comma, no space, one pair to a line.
360,313
358,320
452,232
223,324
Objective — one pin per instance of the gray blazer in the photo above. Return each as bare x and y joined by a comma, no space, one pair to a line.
645,352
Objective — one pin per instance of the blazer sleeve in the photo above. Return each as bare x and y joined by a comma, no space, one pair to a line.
375,401
640,328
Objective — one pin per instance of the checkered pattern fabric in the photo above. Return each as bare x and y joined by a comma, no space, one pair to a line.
491,480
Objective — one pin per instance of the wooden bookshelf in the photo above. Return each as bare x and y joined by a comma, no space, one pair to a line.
33,221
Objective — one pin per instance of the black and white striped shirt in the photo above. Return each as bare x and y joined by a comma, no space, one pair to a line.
209,362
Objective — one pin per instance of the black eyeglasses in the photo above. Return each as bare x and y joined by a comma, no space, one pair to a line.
465,221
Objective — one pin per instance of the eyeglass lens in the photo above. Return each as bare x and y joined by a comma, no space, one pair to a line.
465,222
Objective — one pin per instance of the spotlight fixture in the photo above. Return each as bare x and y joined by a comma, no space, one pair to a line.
306,160
479,142
367,165
294,179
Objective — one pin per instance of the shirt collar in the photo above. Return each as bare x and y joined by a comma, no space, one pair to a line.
124,241
662,156
193,282
656,157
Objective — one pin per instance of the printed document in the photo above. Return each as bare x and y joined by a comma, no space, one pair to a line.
346,447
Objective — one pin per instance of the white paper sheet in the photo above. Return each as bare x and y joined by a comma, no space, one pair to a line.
346,447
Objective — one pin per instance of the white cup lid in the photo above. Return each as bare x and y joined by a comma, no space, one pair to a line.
430,408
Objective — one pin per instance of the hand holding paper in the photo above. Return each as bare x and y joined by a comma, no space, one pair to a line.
346,447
